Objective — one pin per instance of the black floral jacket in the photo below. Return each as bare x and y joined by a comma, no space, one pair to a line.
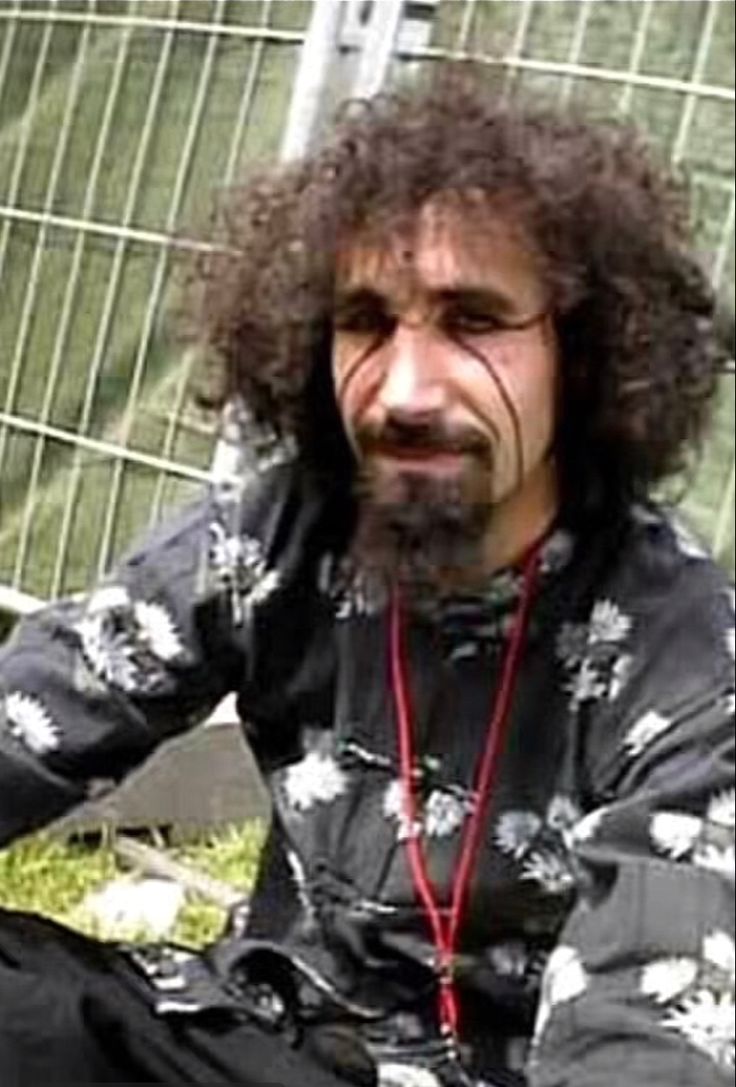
598,943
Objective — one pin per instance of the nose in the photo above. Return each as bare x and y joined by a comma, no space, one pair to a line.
412,385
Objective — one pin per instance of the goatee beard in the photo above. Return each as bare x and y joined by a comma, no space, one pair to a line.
419,532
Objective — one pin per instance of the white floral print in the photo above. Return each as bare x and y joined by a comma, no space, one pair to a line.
721,809
665,979
240,565
564,979
706,1019
28,720
158,628
698,996
707,843
316,779
571,643
608,623
444,811
516,830
594,660
128,643
551,870
509,959
719,950
353,591
587,685
675,833
644,731
542,846
720,859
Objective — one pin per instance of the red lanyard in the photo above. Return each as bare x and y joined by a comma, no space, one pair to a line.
446,929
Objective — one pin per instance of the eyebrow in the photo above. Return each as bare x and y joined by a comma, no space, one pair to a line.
491,297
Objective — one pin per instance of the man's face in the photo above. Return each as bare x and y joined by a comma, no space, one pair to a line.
444,366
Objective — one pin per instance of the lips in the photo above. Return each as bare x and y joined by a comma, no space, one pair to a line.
421,459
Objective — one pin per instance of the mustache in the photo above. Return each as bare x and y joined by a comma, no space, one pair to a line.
431,436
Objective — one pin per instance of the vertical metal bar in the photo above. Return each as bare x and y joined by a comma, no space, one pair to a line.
466,25
637,55
154,302
719,264
246,102
111,293
724,521
696,76
60,339
576,48
39,253
378,48
517,46
26,125
312,75
8,43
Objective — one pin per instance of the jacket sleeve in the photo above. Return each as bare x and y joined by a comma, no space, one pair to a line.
640,987
90,686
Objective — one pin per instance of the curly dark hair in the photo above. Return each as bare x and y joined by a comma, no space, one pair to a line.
634,311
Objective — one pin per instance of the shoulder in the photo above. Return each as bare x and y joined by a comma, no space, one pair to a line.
657,668
674,601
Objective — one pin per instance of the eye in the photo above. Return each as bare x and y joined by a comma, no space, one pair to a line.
366,321
471,320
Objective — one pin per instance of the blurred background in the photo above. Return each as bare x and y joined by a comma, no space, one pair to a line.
120,120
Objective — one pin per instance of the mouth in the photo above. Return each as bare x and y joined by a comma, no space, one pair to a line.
421,458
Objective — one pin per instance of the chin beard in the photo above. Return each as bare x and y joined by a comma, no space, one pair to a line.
422,532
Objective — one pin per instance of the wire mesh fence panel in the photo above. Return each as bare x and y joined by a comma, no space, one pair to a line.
119,121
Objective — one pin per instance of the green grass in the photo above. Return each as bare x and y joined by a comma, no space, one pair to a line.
44,875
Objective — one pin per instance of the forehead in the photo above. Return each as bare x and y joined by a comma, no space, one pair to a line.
443,246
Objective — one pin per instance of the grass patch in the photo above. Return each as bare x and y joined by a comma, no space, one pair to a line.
44,875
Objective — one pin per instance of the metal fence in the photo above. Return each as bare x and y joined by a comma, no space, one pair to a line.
119,119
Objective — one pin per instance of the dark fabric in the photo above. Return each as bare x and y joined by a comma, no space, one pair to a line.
76,1011
600,920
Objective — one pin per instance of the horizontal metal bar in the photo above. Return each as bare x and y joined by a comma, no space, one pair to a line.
108,449
230,30
18,603
174,241
583,71
106,230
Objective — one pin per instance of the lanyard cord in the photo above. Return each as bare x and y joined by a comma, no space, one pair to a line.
445,931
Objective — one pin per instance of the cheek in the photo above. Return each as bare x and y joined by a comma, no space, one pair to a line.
355,378
536,396
517,391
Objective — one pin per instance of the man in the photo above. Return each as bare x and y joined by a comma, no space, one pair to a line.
488,682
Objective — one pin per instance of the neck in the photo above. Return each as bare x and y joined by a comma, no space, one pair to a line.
517,522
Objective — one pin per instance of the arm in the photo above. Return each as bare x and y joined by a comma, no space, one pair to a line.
90,687
640,989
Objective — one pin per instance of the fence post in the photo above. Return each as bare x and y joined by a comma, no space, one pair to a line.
312,75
